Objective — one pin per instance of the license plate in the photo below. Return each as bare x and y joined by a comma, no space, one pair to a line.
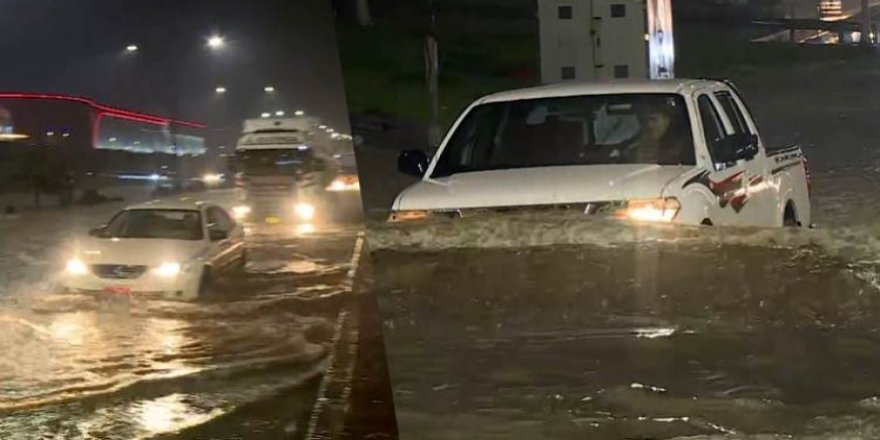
273,220
118,289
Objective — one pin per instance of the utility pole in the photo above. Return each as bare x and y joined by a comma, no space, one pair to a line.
866,24
432,71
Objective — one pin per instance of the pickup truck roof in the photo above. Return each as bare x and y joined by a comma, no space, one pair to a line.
599,88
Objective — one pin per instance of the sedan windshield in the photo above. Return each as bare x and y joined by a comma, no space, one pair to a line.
156,223
572,130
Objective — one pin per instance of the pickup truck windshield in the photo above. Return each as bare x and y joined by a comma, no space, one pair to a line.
169,224
576,130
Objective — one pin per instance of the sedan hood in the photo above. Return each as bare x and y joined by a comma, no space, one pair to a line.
131,251
540,186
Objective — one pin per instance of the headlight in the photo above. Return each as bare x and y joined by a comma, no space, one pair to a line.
167,270
304,211
651,210
240,212
402,216
77,267
345,183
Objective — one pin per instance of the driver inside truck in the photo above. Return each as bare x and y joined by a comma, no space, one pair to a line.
662,135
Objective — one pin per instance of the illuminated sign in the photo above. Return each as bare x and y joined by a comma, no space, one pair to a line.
661,45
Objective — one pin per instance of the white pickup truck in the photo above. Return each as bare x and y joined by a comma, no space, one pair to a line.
679,151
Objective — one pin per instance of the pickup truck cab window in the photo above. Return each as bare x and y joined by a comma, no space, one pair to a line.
713,128
734,113
638,128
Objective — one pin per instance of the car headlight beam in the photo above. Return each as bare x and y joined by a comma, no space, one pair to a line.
167,269
76,267
304,211
661,210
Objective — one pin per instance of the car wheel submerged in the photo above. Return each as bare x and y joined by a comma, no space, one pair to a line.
206,283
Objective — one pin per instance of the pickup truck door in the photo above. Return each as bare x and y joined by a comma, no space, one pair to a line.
740,187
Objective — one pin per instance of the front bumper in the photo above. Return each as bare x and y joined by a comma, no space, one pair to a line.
183,286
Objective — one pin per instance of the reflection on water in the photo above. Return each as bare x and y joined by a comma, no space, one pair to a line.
305,229
642,341
170,413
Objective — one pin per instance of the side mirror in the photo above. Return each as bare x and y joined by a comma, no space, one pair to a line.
217,234
97,232
740,146
413,163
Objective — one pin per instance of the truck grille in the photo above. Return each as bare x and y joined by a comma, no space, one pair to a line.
118,271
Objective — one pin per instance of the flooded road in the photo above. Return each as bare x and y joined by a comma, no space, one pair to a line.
645,340
246,362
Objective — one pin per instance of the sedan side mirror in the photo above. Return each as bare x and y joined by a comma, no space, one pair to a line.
97,232
413,163
217,234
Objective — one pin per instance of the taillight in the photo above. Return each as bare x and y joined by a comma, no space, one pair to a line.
809,178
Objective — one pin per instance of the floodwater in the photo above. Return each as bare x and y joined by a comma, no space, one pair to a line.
537,326
245,362
638,341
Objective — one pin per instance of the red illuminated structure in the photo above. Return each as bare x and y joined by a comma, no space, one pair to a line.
101,111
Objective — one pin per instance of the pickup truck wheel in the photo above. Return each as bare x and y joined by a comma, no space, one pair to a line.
789,218
706,222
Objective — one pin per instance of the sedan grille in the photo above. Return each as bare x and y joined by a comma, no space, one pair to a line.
118,271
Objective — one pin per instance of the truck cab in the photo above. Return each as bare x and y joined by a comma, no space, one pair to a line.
673,151
280,172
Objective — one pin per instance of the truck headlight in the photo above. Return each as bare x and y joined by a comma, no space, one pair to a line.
76,267
403,216
651,210
240,212
345,183
304,211
167,269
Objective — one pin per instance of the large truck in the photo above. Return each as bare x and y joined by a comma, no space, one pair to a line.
287,170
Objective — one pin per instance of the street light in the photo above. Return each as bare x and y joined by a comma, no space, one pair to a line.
216,42
220,90
268,89
279,113
131,48
299,113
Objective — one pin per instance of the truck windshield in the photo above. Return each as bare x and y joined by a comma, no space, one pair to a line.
574,130
273,161
169,224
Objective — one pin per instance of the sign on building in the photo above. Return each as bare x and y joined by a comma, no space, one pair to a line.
589,40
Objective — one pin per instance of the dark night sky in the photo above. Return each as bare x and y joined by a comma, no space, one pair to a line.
77,47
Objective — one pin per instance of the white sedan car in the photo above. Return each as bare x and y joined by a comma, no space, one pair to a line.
166,249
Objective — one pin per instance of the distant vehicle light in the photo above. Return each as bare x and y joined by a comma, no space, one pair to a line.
155,177
265,115
345,183
76,267
131,48
167,269
12,136
304,211
268,89
279,113
240,212
212,178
